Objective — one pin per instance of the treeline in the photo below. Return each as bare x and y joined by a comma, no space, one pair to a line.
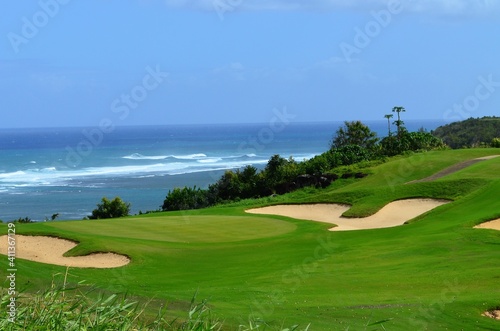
280,176
473,132
353,143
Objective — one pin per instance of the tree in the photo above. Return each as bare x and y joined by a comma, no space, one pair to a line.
249,181
354,133
351,154
389,116
23,220
471,132
185,198
228,187
399,123
110,209
279,170
410,141
495,142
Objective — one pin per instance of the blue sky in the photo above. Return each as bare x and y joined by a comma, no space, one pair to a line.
77,63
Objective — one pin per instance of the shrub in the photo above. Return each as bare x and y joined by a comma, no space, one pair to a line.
110,209
23,220
185,198
409,142
351,154
495,142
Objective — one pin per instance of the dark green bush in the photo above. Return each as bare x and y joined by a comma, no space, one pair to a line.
495,142
110,209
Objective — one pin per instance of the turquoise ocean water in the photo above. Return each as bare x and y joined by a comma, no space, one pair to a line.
68,170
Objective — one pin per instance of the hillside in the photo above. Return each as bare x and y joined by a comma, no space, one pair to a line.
472,132
435,273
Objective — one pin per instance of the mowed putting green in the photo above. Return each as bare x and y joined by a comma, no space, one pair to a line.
183,229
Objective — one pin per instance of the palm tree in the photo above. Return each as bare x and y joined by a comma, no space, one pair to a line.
399,123
389,116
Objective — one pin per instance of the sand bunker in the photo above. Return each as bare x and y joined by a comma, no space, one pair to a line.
495,314
492,225
393,214
50,250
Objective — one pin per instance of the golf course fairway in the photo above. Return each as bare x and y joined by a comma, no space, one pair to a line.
435,272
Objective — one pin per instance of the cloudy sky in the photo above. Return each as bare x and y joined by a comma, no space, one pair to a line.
78,62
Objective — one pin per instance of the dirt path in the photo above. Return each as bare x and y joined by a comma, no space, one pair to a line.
452,169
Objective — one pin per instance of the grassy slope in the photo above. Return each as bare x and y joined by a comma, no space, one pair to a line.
437,272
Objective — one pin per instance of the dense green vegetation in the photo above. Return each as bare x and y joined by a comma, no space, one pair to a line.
76,308
110,209
473,132
353,143
435,273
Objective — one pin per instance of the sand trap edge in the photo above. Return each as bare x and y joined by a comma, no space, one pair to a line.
393,214
50,250
491,225
494,314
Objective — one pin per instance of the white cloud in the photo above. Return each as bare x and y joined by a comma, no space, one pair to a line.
437,7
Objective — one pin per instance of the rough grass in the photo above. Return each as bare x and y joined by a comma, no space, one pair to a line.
435,273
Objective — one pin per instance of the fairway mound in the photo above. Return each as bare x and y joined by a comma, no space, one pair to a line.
454,168
495,314
393,214
50,250
492,225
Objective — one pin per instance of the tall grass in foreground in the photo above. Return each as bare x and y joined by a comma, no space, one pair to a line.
68,308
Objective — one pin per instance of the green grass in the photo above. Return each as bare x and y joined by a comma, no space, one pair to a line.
436,273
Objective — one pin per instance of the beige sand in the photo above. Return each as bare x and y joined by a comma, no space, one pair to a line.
493,225
393,214
495,314
50,250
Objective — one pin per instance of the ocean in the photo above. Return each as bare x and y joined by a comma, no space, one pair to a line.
68,170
